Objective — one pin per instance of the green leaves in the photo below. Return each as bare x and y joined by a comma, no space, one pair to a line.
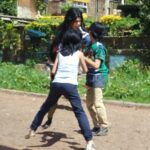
125,26
130,82
8,7
24,78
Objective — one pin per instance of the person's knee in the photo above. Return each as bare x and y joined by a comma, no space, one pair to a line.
99,105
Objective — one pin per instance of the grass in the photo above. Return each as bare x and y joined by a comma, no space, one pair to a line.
24,78
129,82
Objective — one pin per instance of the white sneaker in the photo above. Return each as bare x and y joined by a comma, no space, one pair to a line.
90,145
30,134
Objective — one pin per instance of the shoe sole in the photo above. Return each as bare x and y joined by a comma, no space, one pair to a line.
100,133
45,127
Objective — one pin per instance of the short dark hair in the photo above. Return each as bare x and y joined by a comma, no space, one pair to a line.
98,30
71,42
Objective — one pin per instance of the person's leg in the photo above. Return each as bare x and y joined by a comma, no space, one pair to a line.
41,113
49,117
91,108
100,108
49,102
101,111
71,92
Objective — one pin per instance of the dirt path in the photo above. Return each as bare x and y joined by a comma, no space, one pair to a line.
130,126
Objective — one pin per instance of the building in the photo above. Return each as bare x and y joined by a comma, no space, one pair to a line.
26,9
93,8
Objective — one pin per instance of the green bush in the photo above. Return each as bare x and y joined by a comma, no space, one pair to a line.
130,81
41,6
8,7
125,26
10,41
24,78
145,16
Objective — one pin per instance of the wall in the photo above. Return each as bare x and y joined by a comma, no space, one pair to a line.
54,8
95,8
26,9
128,43
122,48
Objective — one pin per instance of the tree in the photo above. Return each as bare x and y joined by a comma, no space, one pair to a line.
145,16
8,7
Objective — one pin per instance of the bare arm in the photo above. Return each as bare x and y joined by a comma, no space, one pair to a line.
55,66
95,64
82,61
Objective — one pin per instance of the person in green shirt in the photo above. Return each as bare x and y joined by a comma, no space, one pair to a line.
96,79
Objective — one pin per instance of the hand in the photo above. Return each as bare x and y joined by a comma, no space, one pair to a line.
87,87
52,76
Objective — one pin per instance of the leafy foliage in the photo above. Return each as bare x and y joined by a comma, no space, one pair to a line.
66,6
46,24
9,40
145,16
23,78
8,7
109,19
121,26
41,6
130,2
130,81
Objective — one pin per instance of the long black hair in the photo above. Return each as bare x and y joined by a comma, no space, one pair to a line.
71,42
70,16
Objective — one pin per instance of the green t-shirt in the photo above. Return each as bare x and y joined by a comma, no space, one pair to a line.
98,51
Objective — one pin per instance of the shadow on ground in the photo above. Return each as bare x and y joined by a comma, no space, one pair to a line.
50,138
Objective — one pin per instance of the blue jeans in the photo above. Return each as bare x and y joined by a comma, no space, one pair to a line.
69,91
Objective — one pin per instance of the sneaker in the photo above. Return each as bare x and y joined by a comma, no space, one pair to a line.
90,145
47,123
96,129
30,134
101,132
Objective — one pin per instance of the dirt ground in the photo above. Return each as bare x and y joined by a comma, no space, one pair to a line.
130,126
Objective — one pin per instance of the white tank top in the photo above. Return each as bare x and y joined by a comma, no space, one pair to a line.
67,71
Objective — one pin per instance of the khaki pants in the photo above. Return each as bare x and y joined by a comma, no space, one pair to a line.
96,107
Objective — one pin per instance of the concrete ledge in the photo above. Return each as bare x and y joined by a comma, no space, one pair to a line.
127,104
110,102
22,93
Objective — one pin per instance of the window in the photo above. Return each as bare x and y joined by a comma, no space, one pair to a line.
81,5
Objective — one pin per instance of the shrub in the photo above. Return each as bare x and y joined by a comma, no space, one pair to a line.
121,26
109,19
130,81
41,6
46,24
23,78
10,41
8,7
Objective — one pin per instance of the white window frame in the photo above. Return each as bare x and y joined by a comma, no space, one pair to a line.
81,5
